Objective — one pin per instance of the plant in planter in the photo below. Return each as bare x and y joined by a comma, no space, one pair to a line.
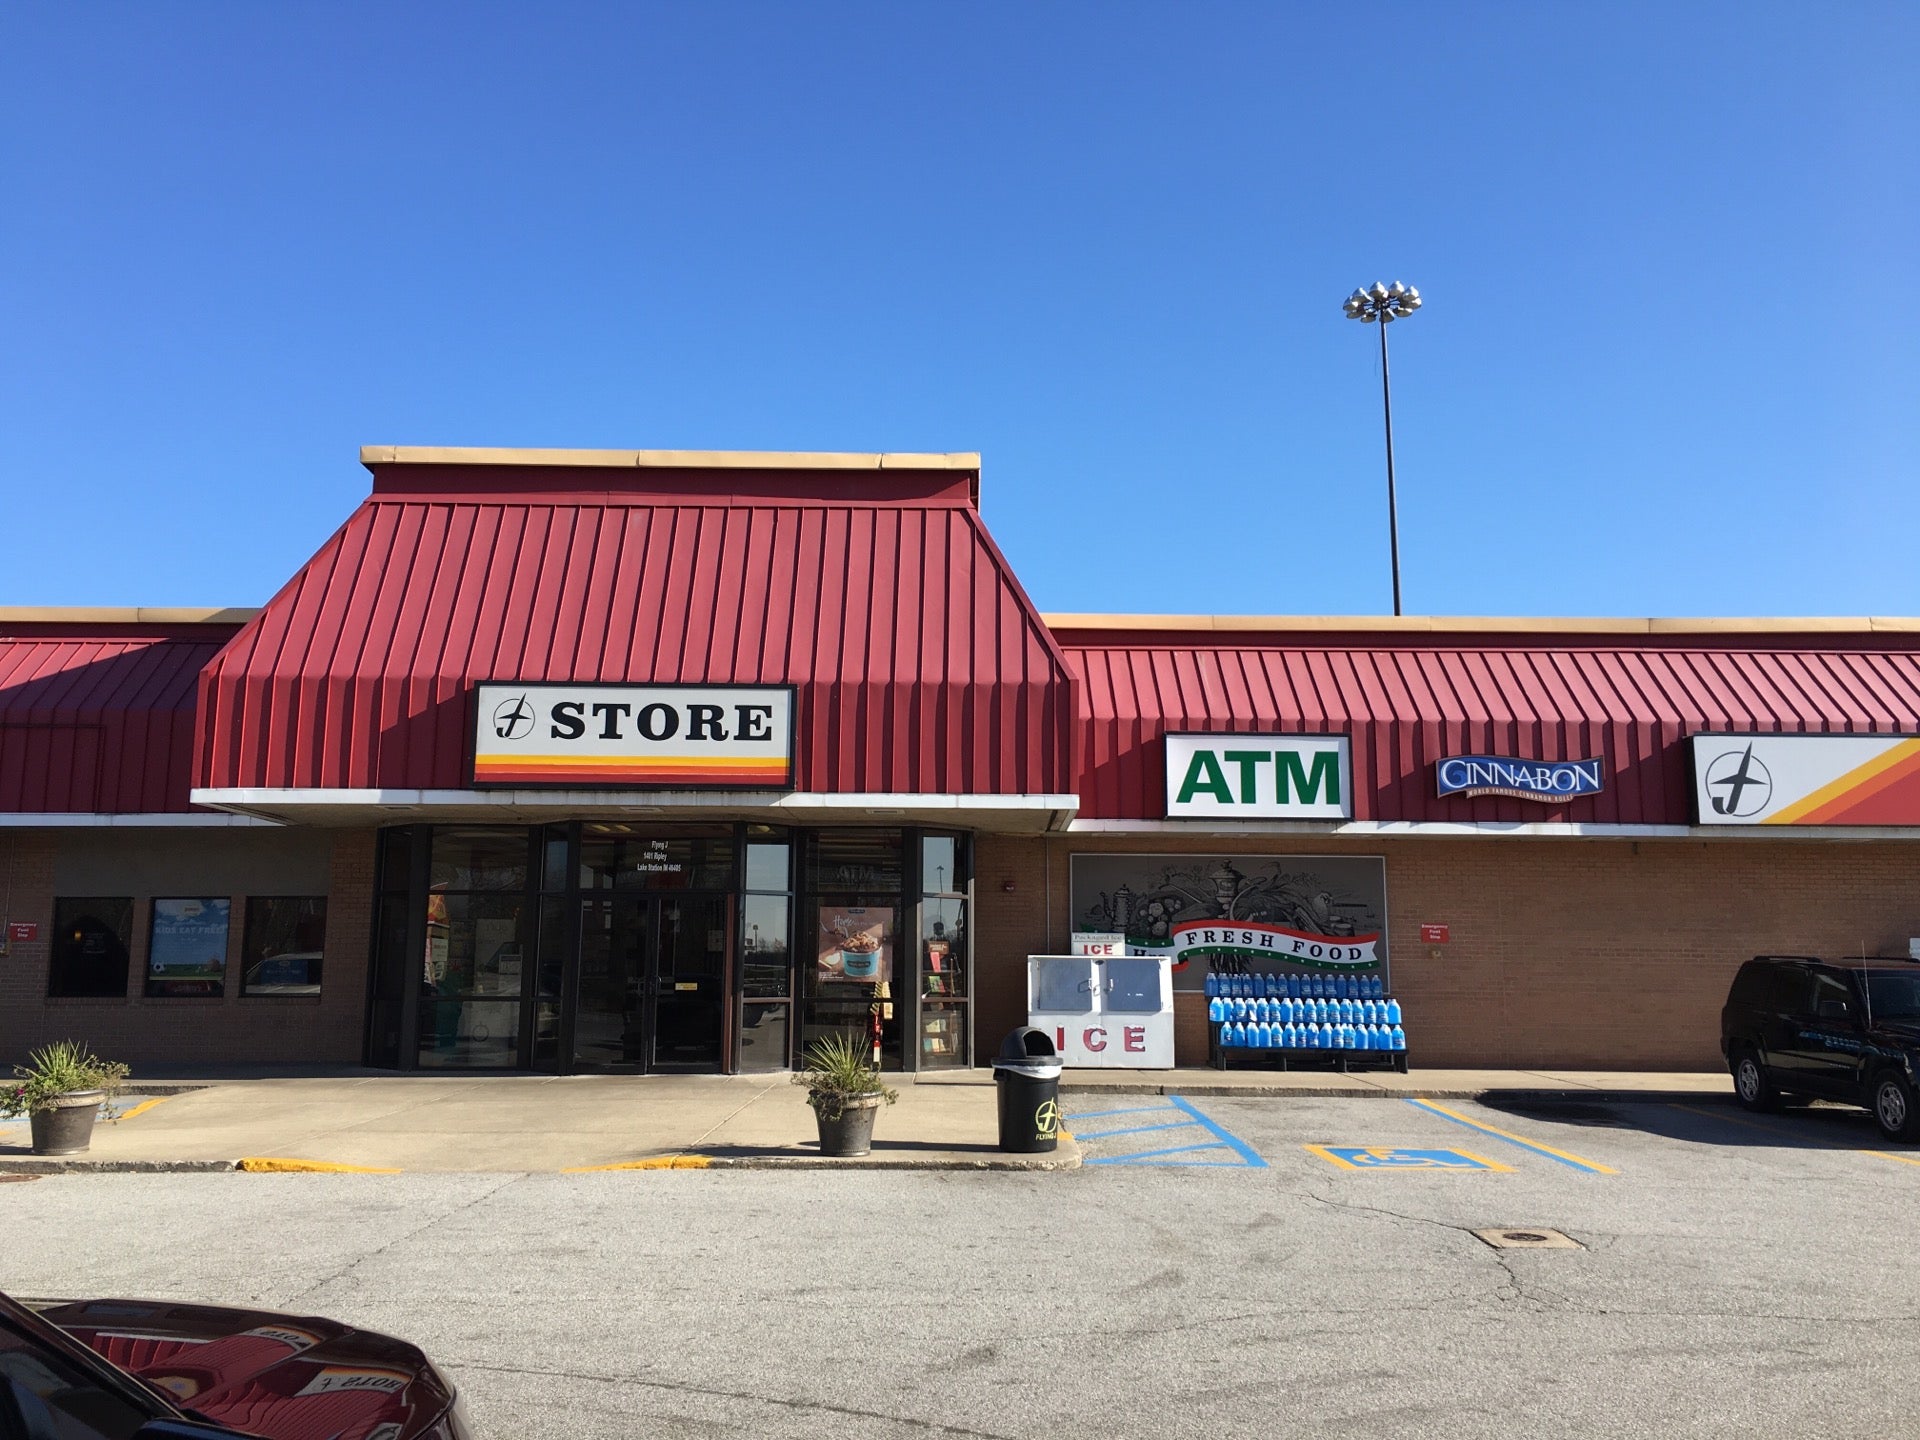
845,1092
61,1090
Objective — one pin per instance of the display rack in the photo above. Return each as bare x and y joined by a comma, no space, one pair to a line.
1339,1062
1339,1024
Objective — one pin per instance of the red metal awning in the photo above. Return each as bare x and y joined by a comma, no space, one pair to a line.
97,718
1410,701
919,664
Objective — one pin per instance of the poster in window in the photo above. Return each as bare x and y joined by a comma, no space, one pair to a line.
187,952
854,944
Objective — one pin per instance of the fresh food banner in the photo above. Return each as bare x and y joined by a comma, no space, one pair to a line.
1249,941
1236,913
1806,779
679,737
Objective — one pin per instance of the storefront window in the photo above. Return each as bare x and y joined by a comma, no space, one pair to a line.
284,945
848,940
479,937
92,939
616,856
766,952
944,952
855,862
477,859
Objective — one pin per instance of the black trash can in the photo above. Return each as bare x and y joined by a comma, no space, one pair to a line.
1026,1074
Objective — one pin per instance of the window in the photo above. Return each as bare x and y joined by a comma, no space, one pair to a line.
187,947
766,952
1831,1000
481,926
44,1393
91,941
943,987
284,945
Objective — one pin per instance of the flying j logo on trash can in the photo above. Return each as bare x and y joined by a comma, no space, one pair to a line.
1046,1120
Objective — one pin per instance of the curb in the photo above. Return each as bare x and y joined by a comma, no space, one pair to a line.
77,1165
881,1162
1435,1092
1058,1161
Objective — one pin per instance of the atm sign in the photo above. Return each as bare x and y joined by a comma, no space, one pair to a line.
1259,777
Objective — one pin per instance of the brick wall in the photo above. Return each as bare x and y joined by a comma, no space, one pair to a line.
136,1028
1563,953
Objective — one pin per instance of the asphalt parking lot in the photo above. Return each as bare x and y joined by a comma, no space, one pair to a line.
1219,1266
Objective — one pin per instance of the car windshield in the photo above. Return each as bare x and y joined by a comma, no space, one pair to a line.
1893,995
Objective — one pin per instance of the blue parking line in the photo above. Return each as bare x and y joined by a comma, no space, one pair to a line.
1130,1130
1244,1155
1233,1142
1146,1157
1103,1114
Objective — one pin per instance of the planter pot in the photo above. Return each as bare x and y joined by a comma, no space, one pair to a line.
851,1134
67,1128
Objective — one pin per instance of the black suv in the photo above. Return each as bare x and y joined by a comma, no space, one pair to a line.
1832,1029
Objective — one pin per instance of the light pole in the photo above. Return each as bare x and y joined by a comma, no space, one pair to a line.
1381,304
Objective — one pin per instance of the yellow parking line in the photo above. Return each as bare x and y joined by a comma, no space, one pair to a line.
652,1162
143,1107
275,1165
1565,1157
1815,1140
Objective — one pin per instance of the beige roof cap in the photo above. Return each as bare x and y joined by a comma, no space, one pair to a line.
371,455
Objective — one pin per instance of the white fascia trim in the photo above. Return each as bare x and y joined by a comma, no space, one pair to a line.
1493,830
87,820
244,799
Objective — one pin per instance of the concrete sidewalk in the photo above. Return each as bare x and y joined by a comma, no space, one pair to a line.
375,1120
520,1123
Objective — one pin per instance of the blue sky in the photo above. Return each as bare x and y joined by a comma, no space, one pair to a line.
1667,363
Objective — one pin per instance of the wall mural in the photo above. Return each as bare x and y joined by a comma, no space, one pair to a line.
1236,914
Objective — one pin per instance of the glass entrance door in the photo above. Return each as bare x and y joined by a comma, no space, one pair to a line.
652,983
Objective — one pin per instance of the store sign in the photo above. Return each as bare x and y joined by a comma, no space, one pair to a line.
1806,779
1098,942
1238,913
1551,782
680,737
1259,777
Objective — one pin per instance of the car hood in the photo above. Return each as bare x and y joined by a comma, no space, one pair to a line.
1904,1033
286,1377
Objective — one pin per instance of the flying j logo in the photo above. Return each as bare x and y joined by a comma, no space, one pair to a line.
680,737
1806,779
1259,777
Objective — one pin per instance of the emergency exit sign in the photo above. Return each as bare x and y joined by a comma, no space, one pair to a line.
22,932
1435,934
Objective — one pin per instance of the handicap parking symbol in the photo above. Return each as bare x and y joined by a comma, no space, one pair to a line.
1392,1157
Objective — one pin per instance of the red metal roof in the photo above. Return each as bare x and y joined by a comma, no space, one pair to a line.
919,663
1409,702
98,718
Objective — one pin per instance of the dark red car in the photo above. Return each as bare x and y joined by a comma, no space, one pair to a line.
153,1369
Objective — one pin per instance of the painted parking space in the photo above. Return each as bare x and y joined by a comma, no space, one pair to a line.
1174,1132
1400,1158
1795,1131
1461,1117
